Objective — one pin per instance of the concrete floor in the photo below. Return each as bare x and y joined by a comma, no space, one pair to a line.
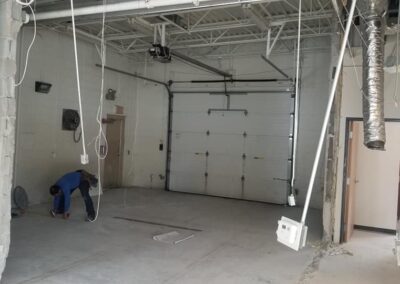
237,243
368,258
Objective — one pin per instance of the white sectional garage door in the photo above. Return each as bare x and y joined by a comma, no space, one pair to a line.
233,154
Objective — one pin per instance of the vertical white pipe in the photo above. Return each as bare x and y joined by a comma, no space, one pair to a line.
84,154
155,35
163,43
328,111
267,52
296,105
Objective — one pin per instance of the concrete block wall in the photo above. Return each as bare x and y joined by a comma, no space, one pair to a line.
44,150
10,22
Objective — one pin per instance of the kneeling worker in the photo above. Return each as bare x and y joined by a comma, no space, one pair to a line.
65,186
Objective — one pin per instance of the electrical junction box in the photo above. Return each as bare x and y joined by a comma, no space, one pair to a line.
291,233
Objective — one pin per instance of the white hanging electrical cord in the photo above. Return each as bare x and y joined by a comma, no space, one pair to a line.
101,135
27,4
84,156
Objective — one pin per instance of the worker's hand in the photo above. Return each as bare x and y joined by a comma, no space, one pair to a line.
66,216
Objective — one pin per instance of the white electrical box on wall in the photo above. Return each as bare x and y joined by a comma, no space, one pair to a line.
291,233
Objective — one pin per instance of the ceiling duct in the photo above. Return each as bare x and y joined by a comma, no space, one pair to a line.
373,30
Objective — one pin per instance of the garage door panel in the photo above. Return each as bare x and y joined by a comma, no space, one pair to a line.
227,122
224,185
265,190
187,182
263,103
267,169
268,124
225,164
267,147
188,162
225,144
189,142
197,102
262,135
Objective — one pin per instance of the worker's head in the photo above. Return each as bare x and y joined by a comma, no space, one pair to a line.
55,190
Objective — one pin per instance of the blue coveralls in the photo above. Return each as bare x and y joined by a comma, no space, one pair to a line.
68,184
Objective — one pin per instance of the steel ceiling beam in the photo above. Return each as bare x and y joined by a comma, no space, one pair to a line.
279,21
232,42
143,7
255,17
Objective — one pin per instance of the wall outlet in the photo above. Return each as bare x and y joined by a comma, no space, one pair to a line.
291,200
291,233
84,159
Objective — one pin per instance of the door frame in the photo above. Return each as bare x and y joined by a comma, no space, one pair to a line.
349,120
122,145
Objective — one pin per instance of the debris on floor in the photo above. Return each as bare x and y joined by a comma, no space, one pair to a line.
337,250
172,237
323,248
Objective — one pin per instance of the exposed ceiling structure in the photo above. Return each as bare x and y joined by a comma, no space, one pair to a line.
226,23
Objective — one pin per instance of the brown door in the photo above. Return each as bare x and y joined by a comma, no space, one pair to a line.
114,160
351,180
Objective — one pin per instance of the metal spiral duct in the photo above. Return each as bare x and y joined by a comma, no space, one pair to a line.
373,29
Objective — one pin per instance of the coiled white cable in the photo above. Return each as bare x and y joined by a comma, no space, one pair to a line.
24,3
101,135
84,156
27,4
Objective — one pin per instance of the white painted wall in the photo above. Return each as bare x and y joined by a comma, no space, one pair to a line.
352,107
44,151
148,162
153,124
377,175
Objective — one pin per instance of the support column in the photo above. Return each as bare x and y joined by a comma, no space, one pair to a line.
10,23
332,142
